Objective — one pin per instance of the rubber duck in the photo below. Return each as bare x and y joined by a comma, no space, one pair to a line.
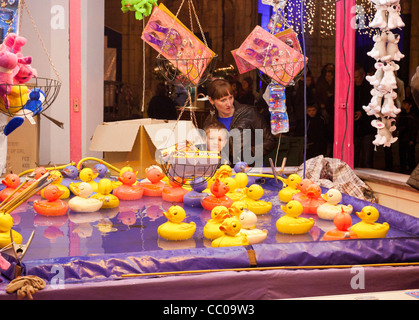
254,193
82,202
248,221
331,208
237,208
70,172
101,170
342,222
175,228
368,228
129,191
118,183
11,181
86,175
224,171
218,196
231,234
57,181
53,206
6,224
290,187
104,189
291,223
241,167
233,194
212,227
193,198
310,196
153,186
242,180
175,192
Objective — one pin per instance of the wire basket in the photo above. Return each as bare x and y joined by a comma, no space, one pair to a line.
18,95
190,167
197,72
284,73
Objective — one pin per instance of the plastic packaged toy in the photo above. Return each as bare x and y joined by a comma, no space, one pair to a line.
170,37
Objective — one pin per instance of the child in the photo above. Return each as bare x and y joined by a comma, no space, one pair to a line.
407,125
316,133
217,138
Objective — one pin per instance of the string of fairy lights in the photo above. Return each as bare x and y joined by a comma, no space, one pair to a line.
326,9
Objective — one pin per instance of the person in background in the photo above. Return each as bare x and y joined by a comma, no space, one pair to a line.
407,125
238,117
247,96
216,136
364,132
317,134
161,106
325,88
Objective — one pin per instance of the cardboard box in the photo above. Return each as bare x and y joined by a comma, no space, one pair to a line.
134,142
23,148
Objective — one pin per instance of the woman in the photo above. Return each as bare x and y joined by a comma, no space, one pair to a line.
236,118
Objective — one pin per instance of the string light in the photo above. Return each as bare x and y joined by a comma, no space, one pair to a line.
364,11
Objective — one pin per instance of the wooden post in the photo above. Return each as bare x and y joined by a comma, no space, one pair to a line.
75,80
344,80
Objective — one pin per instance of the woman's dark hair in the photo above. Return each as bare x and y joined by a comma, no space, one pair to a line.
219,89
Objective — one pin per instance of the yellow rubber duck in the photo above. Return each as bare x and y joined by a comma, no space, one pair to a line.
82,202
58,178
231,234
225,171
241,181
86,175
331,208
6,224
254,193
175,228
289,187
367,228
233,194
291,223
212,227
237,208
248,221
104,189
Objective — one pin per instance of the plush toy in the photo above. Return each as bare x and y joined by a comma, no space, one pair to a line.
394,19
31,109
142,8
380,47
389,108
15,69
384,136
8,62
374,107
380,18
375,80
393,52
389,81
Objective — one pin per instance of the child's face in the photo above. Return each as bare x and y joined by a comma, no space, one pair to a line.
216,139
311,112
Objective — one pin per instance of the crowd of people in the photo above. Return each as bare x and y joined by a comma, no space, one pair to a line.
319,114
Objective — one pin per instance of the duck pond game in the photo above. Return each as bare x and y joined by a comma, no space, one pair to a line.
149,234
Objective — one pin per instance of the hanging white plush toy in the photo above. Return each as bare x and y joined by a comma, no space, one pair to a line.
375,80
384,135
393,52
389,81
380,47
374,107
389,108
380,18
394,19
